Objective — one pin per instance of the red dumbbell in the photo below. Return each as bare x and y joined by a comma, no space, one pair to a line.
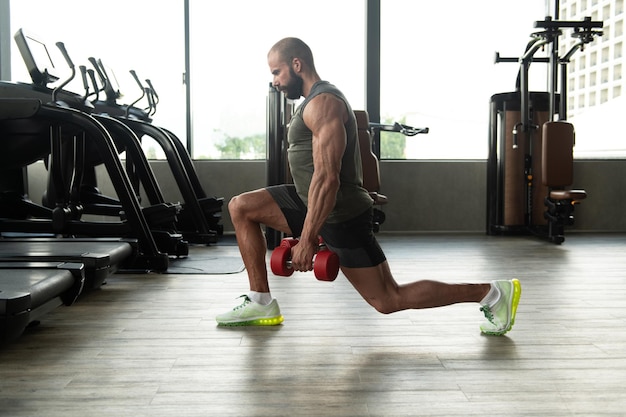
325,263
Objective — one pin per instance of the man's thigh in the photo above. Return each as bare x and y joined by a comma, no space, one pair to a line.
291,206
354,242
260,207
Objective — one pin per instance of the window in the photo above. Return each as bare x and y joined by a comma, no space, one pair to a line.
571,84
582,61
604,76
126,35
604,95
619,28
617,53
605,54
229,74
438,71
437,66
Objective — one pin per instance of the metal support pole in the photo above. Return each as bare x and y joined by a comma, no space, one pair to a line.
5,40
187,82
372,67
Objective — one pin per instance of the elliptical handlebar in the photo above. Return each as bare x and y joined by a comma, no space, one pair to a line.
58,88
134,74
61,47
103,78
92,76
111,91
143,92
153,91
153,98
83,73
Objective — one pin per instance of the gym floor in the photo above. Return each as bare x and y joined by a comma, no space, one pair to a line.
147,345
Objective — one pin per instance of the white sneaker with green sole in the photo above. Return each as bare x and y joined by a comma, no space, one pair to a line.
501,314
250,313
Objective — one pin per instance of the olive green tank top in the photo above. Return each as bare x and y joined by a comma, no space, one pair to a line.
352,198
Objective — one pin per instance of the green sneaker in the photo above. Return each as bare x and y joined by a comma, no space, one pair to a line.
501,314
250,313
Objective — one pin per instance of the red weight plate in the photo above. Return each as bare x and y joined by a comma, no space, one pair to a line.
289,242
326,266
278,261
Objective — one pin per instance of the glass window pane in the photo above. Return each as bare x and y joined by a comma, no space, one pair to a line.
229,73
437,70
598,107
141,35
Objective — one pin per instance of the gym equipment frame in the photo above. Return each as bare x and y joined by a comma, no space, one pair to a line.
531,143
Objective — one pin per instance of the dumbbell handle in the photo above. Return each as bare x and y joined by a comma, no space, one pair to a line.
326,270
289,263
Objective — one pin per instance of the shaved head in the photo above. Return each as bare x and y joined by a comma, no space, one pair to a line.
290,48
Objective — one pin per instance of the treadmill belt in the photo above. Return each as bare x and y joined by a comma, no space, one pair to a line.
100,257
29,290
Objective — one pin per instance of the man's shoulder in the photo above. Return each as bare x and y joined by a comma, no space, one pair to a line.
325,106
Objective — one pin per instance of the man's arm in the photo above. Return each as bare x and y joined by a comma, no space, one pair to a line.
325,115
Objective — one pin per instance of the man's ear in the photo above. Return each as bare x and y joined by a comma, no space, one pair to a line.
296,65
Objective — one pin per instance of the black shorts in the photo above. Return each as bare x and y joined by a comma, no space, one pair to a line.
353,240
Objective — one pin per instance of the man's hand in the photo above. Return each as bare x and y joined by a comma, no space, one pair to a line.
302,255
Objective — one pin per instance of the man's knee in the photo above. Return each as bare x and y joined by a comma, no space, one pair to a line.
383,305
236,206
388,299
385,308
232,204
250,206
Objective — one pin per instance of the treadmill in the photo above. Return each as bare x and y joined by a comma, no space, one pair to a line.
100,257
29,290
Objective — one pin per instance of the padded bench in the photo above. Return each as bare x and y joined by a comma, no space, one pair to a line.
557,168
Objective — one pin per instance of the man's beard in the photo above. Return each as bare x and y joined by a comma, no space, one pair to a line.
294,88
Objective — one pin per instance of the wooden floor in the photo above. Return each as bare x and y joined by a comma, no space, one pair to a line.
147,345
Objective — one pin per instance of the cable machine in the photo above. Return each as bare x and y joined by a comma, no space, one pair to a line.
520,195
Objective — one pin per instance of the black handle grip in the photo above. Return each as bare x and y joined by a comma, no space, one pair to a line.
83,73
61,46
92,76
134,74
95,65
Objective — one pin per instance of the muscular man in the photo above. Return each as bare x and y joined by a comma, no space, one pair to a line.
327,200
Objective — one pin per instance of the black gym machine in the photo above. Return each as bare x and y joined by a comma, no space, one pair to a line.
530,160
197,219
59,126
52,252
199,215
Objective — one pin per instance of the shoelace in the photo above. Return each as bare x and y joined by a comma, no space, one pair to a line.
488,313
246,301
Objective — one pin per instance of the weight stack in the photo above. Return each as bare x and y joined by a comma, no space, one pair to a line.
512,205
